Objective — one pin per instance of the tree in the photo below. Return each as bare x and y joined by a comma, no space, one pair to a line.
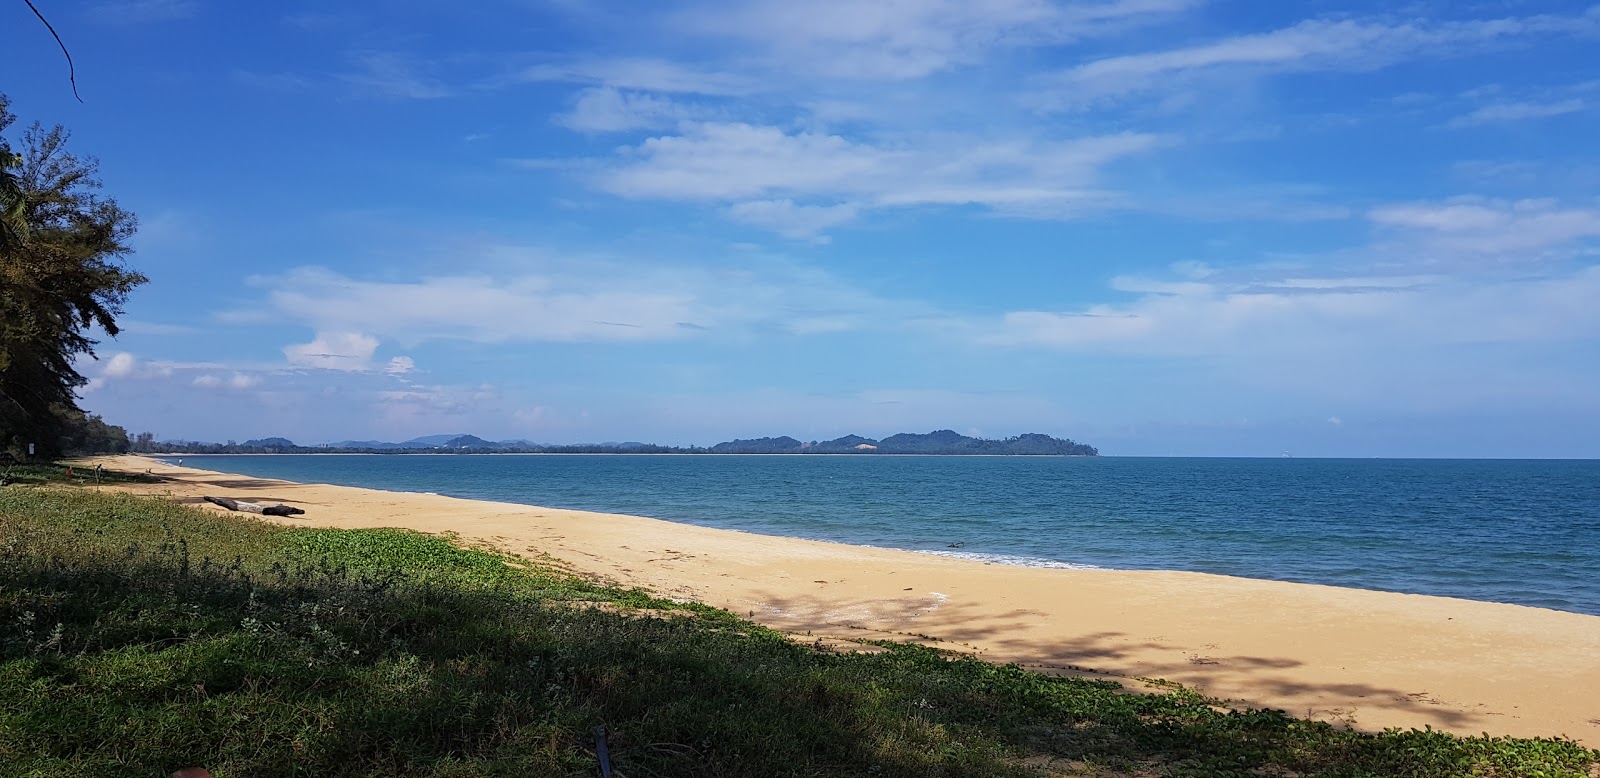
13,219
61,278
87,433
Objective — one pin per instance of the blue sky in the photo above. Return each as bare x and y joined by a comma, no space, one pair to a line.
1159,226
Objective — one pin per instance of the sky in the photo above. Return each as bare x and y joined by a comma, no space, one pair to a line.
1162,227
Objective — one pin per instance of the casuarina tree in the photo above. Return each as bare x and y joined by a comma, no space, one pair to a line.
62,280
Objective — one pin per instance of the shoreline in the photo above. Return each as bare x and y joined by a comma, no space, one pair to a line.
1372,659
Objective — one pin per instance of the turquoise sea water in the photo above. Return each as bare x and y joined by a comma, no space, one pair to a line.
1517,531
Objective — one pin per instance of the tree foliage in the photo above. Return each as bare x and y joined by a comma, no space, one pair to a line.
62,280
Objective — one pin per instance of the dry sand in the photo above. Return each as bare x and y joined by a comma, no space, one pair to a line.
1368,659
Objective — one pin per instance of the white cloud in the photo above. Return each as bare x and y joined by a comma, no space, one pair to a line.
1313,45
734,162
334,350
121,365
400,366
237,381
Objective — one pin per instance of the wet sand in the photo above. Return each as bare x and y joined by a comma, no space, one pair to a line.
1368,659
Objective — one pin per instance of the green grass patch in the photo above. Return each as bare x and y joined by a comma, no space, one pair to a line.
138,636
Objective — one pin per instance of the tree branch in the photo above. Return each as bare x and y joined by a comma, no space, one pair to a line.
72,71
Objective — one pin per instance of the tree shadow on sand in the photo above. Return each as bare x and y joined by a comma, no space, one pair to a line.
1003,637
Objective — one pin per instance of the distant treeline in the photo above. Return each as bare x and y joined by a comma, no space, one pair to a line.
944,442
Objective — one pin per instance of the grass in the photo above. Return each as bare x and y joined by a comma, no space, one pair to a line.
138,636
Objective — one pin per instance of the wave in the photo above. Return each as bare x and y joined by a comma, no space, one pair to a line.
1012,560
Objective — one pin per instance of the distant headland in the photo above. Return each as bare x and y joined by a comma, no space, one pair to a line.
939,442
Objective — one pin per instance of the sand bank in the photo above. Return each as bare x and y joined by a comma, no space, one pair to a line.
1369,659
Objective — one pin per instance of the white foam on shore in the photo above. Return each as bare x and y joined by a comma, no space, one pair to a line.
1014,561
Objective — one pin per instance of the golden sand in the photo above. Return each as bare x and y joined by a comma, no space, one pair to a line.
1369,659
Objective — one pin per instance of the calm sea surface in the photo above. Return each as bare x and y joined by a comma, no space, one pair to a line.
1520,531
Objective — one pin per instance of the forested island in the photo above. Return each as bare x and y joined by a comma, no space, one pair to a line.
938,442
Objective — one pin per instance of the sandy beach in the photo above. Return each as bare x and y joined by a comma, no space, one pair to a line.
1368,659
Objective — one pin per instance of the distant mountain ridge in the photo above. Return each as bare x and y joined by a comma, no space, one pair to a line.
938,442
942,442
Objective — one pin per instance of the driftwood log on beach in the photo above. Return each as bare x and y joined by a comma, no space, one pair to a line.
254,507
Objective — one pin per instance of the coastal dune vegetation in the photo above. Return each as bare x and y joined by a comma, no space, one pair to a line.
138,636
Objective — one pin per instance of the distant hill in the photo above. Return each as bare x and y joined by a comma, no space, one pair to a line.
936,442
783,445
951,442
849,444
363,444
945,442
468,441
270,443
942,442
428,441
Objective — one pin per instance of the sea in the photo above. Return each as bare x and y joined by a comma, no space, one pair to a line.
1512,531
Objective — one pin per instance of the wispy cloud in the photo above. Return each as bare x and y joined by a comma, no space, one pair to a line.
1496,104
592,300
1475,226
1516,112
274,82
640,74
390,75
605,109
141,327
142,11
322,21
803,181
790,220
1314,45
1263,319
910,38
